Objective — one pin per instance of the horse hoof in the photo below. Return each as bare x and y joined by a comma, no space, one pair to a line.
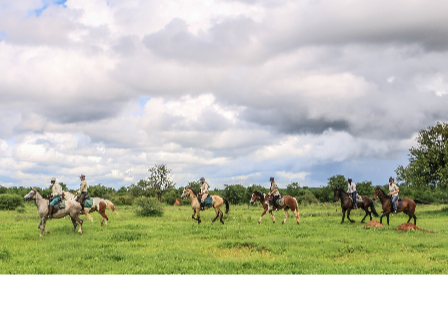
41,235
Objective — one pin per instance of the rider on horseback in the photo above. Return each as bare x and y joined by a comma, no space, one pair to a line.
203,194
393,190
351,190
274,191
82,192
56,193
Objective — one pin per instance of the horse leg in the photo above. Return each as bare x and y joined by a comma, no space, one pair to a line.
102,212
272,216
343,216
220,218
74,223
262,215
415,220
42,230
362,221
296,213
348,216
194,213
217,215
286,216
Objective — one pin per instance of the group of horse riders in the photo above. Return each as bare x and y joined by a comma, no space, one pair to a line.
393,191
203,194
56,194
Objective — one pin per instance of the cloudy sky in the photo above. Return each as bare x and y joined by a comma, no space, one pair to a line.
232,90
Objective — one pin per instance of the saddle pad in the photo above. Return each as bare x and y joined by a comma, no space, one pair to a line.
88,203
358,198
208,201
281,201
62,205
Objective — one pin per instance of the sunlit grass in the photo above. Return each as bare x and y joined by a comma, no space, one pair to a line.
176,244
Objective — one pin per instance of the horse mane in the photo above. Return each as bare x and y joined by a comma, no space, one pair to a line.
68,195
341,190
259,194
194,192
384,193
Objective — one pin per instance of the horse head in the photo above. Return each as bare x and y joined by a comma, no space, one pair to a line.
31,195
254,197
336,194
186,193
378,193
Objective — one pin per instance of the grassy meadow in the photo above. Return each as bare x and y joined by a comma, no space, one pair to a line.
175,244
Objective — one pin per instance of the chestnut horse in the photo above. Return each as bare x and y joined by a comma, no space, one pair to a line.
290,203
347,205
386,201
218,201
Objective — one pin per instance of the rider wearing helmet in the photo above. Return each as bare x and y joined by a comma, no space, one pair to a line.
393,191
274,191
351,190
82,191
203,194
56,193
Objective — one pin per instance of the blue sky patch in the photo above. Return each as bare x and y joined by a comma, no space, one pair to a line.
144,100
46,4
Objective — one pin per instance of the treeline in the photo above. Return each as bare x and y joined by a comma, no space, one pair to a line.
236,193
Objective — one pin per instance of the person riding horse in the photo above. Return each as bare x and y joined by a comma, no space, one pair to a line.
82,192
393,191
274,191
351,190
203,194
56,194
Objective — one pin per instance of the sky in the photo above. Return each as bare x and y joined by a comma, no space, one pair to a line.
235,91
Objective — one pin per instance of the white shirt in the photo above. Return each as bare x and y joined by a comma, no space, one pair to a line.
351,188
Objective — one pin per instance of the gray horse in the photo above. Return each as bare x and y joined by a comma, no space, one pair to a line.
72,208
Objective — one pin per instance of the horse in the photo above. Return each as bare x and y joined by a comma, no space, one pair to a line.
72,208
99,204
290,203
386,201
218,201
347,205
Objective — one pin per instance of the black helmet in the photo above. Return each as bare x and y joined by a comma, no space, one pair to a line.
391,179
350,179
271,179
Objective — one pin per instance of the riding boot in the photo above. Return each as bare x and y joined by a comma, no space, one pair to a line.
50,211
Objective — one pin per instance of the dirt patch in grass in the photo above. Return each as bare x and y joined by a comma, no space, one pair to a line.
410,226
374,224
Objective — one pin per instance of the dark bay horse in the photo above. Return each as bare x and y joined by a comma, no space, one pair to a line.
290,203
386,201
347,205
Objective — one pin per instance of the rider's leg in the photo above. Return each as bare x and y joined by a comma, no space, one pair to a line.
394,202
354,199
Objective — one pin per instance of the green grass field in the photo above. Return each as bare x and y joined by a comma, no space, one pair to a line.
175,244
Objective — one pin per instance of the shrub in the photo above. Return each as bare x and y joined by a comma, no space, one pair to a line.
122,200
148,207
10,202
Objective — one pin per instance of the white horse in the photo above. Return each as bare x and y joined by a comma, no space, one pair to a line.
72,208
99,204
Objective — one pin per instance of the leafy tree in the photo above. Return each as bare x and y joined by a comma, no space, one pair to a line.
337,181
365,188
293,189
195,185
235,193
428,161
159,180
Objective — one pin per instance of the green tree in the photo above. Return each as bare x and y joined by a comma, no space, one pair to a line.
365,188
235,193
428,160
337,181
159,180
293,189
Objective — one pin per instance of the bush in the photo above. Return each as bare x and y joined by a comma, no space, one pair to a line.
10,202
148,207
122,200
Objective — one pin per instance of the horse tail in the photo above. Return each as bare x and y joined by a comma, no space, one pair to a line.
297,204
372,207
111,206
227,205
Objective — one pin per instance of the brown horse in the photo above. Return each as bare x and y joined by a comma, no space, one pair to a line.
347,205
218,201
386,201
290,203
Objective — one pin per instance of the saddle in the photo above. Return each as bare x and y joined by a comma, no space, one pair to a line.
399,203
58,206
280,200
